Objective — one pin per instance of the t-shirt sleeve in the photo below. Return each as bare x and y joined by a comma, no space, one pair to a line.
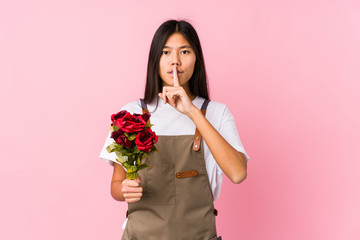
110,158
229,131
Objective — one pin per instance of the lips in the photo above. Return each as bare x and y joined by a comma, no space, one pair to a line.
171,72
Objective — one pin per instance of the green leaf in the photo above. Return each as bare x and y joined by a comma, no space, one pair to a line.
154,148
132,136
114,128
121,156
128,153
142,166
132,175
114,147
138,160
127,165
132,168
148,125
121,160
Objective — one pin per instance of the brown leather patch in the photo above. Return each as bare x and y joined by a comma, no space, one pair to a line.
191,173
197,139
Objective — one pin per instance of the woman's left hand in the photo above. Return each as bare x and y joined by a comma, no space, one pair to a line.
177,97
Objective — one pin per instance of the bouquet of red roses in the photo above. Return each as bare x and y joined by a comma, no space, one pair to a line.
134,140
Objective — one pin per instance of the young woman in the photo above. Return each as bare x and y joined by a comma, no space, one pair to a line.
198,141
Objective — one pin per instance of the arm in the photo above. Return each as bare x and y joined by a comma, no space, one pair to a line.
123,189
232,162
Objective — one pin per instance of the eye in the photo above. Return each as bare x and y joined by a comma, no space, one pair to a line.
185,52
165,52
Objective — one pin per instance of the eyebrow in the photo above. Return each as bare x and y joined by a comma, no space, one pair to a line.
185,46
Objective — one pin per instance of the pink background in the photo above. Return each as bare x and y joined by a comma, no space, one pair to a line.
288,70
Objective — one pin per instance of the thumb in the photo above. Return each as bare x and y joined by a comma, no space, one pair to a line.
138,180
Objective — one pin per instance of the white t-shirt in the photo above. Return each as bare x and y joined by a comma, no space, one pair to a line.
168,121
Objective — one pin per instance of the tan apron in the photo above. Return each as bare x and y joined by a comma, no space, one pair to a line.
177,201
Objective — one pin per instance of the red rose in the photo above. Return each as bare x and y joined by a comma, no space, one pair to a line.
144,116
145,140
120,114
116,134
130,123
121,139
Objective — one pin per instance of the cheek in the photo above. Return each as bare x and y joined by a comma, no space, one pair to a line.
161,69
192,64
162,66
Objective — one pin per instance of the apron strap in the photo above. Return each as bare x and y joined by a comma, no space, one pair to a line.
197,136
143,106
205,104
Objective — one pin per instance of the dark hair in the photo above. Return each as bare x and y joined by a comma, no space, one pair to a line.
197,82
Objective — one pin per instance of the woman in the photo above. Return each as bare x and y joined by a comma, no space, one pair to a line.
174,198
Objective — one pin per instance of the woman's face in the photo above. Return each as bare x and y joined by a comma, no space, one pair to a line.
177,51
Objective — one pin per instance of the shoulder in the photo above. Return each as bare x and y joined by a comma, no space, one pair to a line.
217,113
132,107
214,105
217,109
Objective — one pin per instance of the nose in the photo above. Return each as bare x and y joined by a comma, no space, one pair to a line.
175,59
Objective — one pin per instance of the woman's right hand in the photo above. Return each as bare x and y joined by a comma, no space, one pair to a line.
131,189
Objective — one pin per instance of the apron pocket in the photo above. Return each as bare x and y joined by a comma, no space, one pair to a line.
160,184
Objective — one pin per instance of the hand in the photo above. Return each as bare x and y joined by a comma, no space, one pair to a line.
176,96
131,189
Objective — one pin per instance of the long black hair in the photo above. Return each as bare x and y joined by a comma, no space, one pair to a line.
197,82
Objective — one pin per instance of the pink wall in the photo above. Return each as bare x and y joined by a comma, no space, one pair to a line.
288,70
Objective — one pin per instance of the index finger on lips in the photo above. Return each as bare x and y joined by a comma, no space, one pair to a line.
175,76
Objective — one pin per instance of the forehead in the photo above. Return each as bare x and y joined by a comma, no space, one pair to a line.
176,40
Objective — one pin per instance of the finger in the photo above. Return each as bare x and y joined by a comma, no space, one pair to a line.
132,195
132,189
130,183
175,76
169,95
175,92
131,200
161,96
164,94
138,180
172,95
